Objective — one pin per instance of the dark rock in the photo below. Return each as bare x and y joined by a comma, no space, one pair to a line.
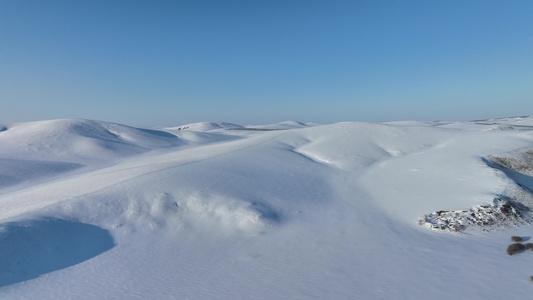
517,239
515,248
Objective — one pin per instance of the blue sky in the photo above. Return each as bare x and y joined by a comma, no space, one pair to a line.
149,63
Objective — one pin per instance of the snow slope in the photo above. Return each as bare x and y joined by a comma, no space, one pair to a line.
308,212
204,126
79,140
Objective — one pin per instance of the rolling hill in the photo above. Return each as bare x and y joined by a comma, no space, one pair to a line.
98,210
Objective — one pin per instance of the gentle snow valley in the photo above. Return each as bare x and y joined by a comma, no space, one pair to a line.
395,210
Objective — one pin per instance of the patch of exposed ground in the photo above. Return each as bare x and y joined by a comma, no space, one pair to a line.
514,208
500,213
520,162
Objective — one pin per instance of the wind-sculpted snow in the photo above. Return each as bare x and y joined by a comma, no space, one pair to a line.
354,146
147,212
246,191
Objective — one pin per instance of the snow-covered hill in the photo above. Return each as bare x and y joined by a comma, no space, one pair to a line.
97,210
79,140
204,126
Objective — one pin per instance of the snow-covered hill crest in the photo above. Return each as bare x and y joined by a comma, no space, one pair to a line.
79,140
203,126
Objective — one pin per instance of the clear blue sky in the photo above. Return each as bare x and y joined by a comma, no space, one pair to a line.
148,63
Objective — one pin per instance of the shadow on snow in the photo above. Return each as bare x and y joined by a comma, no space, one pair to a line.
29,249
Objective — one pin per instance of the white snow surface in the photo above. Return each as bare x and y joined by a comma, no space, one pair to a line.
98,210
203,126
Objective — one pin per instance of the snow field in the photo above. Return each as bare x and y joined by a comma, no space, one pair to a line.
308,212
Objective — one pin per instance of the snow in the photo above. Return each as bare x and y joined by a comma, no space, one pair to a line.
98,210
203,126
80,141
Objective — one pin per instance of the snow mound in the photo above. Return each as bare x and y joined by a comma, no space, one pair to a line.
78,140
198,138
204,126
150,212
354,145
222,213
33,248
